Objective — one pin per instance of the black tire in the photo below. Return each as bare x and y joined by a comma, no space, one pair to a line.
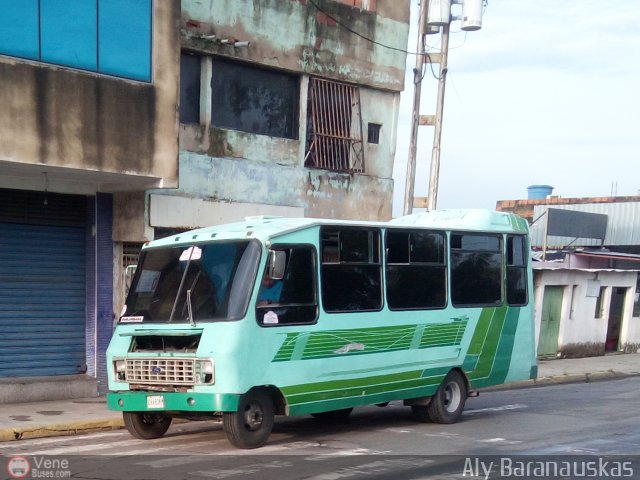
146,426
448,402
251,425
333,415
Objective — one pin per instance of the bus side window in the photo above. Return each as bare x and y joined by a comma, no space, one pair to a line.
476,269
416,270
351,271
293,299
516,270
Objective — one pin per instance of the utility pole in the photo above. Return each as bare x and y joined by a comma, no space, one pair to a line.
415,116
471,20
437,133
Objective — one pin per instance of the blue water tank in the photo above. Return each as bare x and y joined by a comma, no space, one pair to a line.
539,192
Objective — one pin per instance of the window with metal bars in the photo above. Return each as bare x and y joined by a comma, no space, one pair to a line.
334,127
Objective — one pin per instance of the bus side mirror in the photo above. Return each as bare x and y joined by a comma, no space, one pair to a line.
276,264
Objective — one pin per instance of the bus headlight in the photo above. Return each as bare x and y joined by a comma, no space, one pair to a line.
120,367
205,371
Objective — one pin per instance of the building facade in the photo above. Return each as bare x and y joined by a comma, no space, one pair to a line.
587,290
586,311
127,120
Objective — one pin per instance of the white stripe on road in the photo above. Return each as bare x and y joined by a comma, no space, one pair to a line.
65,438
515,406
152,446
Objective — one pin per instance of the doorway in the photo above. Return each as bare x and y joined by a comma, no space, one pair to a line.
550,321
616,311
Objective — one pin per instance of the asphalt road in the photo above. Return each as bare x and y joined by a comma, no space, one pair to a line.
596,419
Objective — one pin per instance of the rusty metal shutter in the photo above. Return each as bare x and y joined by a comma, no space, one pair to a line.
42,286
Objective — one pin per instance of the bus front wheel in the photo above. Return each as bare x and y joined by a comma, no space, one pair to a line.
146,426
250,426
448,402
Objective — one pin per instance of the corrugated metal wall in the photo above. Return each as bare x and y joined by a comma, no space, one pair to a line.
99,296
42,284
104,282
623,226
90,298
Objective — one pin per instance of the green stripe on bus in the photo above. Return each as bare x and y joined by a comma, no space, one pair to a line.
490,346
337,343
480,333
502,357
444,334
487,363
351,382
367,386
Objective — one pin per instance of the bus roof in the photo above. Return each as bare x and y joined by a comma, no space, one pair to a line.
265,228
485,220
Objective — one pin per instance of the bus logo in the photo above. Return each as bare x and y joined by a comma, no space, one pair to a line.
351,347
156,370
18,467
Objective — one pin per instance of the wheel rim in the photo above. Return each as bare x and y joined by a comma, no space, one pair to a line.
452,397
253,416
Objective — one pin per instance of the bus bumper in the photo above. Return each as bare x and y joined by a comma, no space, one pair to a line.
137,401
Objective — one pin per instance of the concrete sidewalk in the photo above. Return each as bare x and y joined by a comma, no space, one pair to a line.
69,417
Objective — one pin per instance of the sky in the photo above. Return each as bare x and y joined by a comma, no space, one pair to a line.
547,92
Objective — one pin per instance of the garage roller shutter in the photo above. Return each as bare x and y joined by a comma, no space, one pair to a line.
42,299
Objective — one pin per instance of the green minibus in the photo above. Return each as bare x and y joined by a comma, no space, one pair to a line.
281,316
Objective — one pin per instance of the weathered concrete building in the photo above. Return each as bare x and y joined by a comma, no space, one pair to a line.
297,109
584,307
587,290
126,121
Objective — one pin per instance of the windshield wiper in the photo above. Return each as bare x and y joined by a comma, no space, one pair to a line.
189,309
184,277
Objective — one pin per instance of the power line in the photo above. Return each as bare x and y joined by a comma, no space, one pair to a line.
358,34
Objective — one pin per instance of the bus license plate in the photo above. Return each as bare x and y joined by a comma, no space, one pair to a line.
155,401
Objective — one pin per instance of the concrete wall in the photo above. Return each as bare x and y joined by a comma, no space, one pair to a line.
578,324
130,217
185,212
235,166
294,35
317,193
381,108
59,117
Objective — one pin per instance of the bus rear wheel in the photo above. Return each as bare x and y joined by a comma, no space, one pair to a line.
251,425
448,402
146,426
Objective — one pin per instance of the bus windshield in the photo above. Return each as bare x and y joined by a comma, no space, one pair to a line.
189,283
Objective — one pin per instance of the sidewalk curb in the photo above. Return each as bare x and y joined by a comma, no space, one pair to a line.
562,379
60,429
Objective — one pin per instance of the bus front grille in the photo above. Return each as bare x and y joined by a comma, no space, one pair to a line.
161,371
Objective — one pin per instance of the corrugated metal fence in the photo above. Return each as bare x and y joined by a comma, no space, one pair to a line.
623,226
